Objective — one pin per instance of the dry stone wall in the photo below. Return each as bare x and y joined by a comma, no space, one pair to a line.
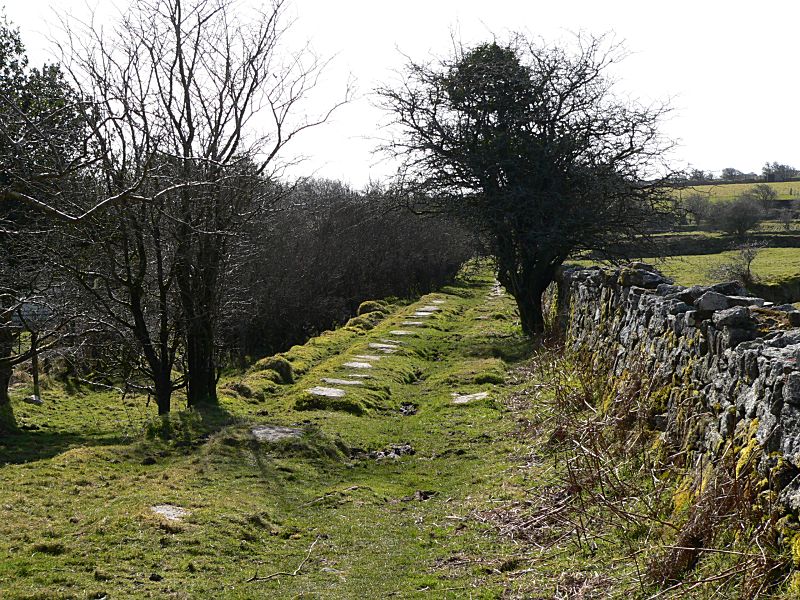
728,359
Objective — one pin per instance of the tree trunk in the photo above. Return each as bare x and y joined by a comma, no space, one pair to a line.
529,304
7,421
526,285
35,364
201,364
163,388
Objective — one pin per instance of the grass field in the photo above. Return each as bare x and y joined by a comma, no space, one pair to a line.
786,190
771,265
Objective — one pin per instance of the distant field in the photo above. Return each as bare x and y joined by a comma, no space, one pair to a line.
787,190
771,265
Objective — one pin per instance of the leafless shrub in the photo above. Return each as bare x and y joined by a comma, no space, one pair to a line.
739,268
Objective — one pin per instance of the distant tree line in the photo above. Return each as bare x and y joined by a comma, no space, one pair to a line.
770,172
740,215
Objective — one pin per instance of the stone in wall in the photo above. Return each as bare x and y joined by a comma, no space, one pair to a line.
731,355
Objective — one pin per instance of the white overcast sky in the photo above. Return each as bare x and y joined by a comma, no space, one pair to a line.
729,66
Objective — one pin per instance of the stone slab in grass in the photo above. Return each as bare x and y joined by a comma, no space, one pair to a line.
412,323
394,342
402,332
422,313
359,376
327,392
274,433
354,364
429,308
467,398
170,512
334,381
383,346
369,357
438,301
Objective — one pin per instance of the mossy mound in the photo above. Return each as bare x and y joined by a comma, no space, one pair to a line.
366,321
372,306
312,402
311,443
279,365
239,388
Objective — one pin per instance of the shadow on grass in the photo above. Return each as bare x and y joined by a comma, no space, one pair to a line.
188,427
21,446
180,429
511,349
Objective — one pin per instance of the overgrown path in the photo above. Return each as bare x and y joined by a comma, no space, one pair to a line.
357,480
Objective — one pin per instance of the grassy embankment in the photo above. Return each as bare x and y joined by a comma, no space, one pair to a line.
772,265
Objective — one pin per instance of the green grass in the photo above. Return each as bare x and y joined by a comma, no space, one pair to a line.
316,516
786,190
79,478
772,265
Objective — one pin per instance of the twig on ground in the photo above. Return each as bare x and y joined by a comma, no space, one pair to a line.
294,573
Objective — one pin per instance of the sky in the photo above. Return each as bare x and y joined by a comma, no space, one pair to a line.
727,67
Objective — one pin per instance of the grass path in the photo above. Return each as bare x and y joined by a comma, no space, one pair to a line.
370,505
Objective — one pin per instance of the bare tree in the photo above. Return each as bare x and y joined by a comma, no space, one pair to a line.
731,174
786,218
764,194
41,139
739,268
698,206
193,102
